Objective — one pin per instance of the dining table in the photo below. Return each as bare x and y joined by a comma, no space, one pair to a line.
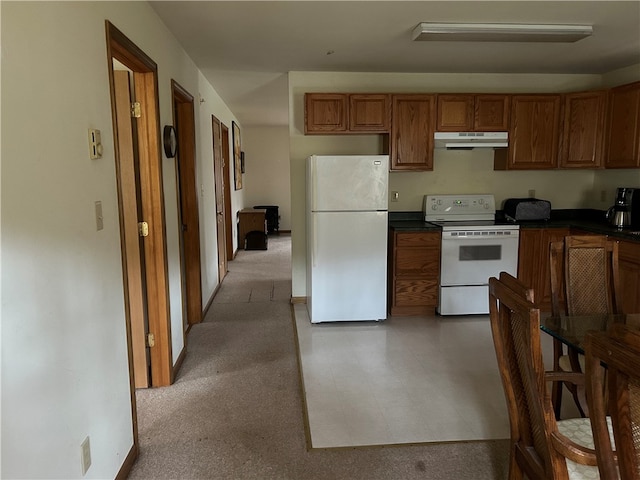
572,329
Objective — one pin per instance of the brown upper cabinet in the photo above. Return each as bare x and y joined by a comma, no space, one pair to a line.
583,129
623,147
472,113
344,113
412,128
325,113
369,113
534,133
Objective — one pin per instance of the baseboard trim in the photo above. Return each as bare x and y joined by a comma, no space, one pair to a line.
127,465
295,300
208,305
178,364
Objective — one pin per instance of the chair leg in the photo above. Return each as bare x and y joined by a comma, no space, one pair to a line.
556,389
578,392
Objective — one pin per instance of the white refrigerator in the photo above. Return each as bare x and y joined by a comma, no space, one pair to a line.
347,203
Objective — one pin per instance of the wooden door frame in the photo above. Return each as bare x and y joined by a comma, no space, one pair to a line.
219,187
145,75
188,218
226,175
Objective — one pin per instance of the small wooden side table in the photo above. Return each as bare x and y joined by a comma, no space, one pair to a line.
250,219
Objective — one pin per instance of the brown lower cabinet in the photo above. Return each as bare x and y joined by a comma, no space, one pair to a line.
414,272
533,265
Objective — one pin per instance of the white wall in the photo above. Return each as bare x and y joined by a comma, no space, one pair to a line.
454,171
266,177
65,371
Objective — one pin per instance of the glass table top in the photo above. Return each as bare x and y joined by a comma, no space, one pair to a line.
572,330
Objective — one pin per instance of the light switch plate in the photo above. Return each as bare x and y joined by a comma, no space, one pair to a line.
95,144
99,222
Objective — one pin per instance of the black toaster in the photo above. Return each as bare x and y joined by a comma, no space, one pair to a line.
519,209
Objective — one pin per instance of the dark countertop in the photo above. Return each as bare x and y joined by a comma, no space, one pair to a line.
584,219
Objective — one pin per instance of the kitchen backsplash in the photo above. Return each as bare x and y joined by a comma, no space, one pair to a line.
471,171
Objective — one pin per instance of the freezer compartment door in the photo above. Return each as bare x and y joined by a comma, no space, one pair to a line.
348,182
347,266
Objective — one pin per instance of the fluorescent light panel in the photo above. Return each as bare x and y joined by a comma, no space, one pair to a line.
500,32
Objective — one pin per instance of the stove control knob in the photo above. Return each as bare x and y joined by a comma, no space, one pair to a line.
434,207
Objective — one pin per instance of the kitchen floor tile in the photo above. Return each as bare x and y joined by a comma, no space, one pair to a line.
404,380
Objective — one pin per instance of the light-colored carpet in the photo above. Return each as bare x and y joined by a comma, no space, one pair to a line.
236,410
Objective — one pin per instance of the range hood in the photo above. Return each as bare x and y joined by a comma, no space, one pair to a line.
466,140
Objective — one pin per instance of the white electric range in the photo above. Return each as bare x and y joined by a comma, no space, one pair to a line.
474,248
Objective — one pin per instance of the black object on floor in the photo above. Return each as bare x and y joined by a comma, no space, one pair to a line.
272,216
255,240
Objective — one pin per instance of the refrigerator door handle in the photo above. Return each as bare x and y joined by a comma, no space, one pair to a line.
312,186
314,228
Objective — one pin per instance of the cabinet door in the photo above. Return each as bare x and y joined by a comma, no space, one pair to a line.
414,273
491,113
455,113
623,149
629,269
369,113
583,129
413,121
325,113
533,134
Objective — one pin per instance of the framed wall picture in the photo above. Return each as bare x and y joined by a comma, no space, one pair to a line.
237,160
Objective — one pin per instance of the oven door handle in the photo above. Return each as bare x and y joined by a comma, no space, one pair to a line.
447,236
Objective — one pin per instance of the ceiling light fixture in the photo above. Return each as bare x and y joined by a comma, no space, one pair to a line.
500,32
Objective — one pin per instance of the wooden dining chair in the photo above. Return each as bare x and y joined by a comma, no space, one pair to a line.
619,350
541,447
584,272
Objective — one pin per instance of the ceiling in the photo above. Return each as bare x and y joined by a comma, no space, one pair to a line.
246,48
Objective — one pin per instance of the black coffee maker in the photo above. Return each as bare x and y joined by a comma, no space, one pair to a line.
625,213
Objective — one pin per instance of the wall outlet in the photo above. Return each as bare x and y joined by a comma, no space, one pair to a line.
85,448
395,196
532,193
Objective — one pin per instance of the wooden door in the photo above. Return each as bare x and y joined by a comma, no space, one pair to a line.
325,113
491,113
534,132
226,172
151,200
412,128
184,120
219,187
455,113
583,129
624,127
369,113
129,174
